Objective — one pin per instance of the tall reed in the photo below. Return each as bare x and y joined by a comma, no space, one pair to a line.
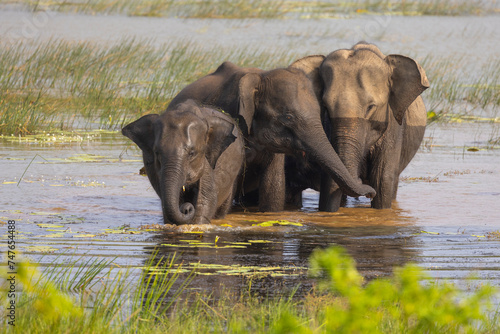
63,85
56,83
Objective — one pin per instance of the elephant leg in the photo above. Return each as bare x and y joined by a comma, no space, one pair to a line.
330,195
396,185
223,209
294,198
385,192
272,185
384,175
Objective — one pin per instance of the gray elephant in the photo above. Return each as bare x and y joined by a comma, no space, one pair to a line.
377,117
192,156
278,113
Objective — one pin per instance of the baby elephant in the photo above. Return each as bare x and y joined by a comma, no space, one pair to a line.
193,156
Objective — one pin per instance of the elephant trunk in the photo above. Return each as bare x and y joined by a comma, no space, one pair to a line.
348,138
323,152
172,183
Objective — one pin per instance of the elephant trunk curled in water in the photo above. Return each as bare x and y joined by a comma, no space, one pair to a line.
192,156
279,113
377,117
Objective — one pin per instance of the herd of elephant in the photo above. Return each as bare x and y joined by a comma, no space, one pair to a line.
345,125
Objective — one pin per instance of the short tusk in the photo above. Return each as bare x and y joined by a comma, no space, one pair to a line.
183,188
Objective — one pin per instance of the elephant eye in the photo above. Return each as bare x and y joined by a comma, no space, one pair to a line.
287,117
370,109
191,153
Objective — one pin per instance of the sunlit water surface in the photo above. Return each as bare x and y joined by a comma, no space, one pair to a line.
96,204
88,199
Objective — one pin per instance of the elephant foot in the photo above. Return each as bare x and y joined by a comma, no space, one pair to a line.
271,207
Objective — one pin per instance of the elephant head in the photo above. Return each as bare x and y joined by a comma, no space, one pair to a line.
283,115
364,93
180,148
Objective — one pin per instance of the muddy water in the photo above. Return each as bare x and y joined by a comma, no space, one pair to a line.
96,204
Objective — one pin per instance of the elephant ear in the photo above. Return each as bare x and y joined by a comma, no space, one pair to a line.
310,66
221,133
247,89
408,82
142,132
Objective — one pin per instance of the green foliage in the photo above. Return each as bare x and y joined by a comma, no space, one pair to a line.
45,298
92,297
406,303
96,297
340,268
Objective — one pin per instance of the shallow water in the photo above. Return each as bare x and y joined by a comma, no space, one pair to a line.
470,37
95,202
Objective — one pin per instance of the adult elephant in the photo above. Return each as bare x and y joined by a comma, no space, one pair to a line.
278,113
377,117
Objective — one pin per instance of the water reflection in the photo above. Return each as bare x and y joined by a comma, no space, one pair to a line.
272,261
444,225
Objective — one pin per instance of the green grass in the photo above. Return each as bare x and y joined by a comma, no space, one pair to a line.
239,9
92,296
457,94
95,297
61,85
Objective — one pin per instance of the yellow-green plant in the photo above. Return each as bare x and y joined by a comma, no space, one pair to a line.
406,303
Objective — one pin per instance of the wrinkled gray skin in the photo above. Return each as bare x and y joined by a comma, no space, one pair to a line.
192,156
377,117
278,113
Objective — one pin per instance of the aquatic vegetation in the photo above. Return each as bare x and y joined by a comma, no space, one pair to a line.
198,243
494,235
39,249
240,9
45,138
209,269
455,97
278,223
95,296
419,178
58,85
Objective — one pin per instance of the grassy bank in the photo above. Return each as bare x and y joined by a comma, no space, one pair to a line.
90,299
59,85
239,9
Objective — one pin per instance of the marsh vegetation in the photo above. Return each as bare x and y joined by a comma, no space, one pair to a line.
63,85
88,297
